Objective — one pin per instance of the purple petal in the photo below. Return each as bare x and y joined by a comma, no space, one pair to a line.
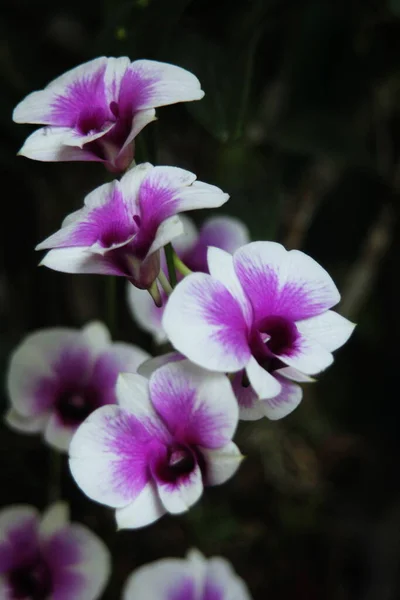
60,102
284,403
19,541
226,233
110,453
281,283
222,582
206,323
198,407
80,563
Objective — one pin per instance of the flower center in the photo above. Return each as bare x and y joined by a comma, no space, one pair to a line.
31,582
282,334
74,405
91,120
180,461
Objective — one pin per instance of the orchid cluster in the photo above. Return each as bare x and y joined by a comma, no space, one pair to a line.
248,322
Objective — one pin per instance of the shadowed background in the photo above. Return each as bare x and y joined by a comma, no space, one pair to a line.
300,125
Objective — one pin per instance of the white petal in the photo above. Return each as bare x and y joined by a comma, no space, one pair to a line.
149,366
145,509
221,576
201,195
97,336
94,564
179,496
221,463
57,434
52,144
165,83
310,357
264,384
133,394
220,265
159,580
329,329
130,184
141,118
54,518
206,323
167,231
31,362
77,260
25,424
188,238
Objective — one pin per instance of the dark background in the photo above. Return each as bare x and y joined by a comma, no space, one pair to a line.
300,124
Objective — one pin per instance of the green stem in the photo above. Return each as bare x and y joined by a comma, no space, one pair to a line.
163,279
170,258
181,267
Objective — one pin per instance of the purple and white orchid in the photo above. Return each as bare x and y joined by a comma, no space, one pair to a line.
167,438
94,111
191,247
264,311
58,376
47,557
193,578
124,224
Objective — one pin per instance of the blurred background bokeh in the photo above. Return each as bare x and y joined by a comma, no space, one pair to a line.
300,124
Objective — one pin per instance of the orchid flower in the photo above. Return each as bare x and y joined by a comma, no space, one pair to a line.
193,578
123,224
94,111
263,310
48,558
58,376
167,438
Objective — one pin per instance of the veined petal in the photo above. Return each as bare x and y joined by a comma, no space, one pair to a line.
221,463
281,283
206,323
146,314
264,384
149,84
198,407
114,72
133,395
39,107
284,403
250,406
221,267
329,329
109,455
178,496
145,509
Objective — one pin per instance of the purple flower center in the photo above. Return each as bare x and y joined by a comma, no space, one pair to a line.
75,405
283,334
91,120
31,581
271,338
179,461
